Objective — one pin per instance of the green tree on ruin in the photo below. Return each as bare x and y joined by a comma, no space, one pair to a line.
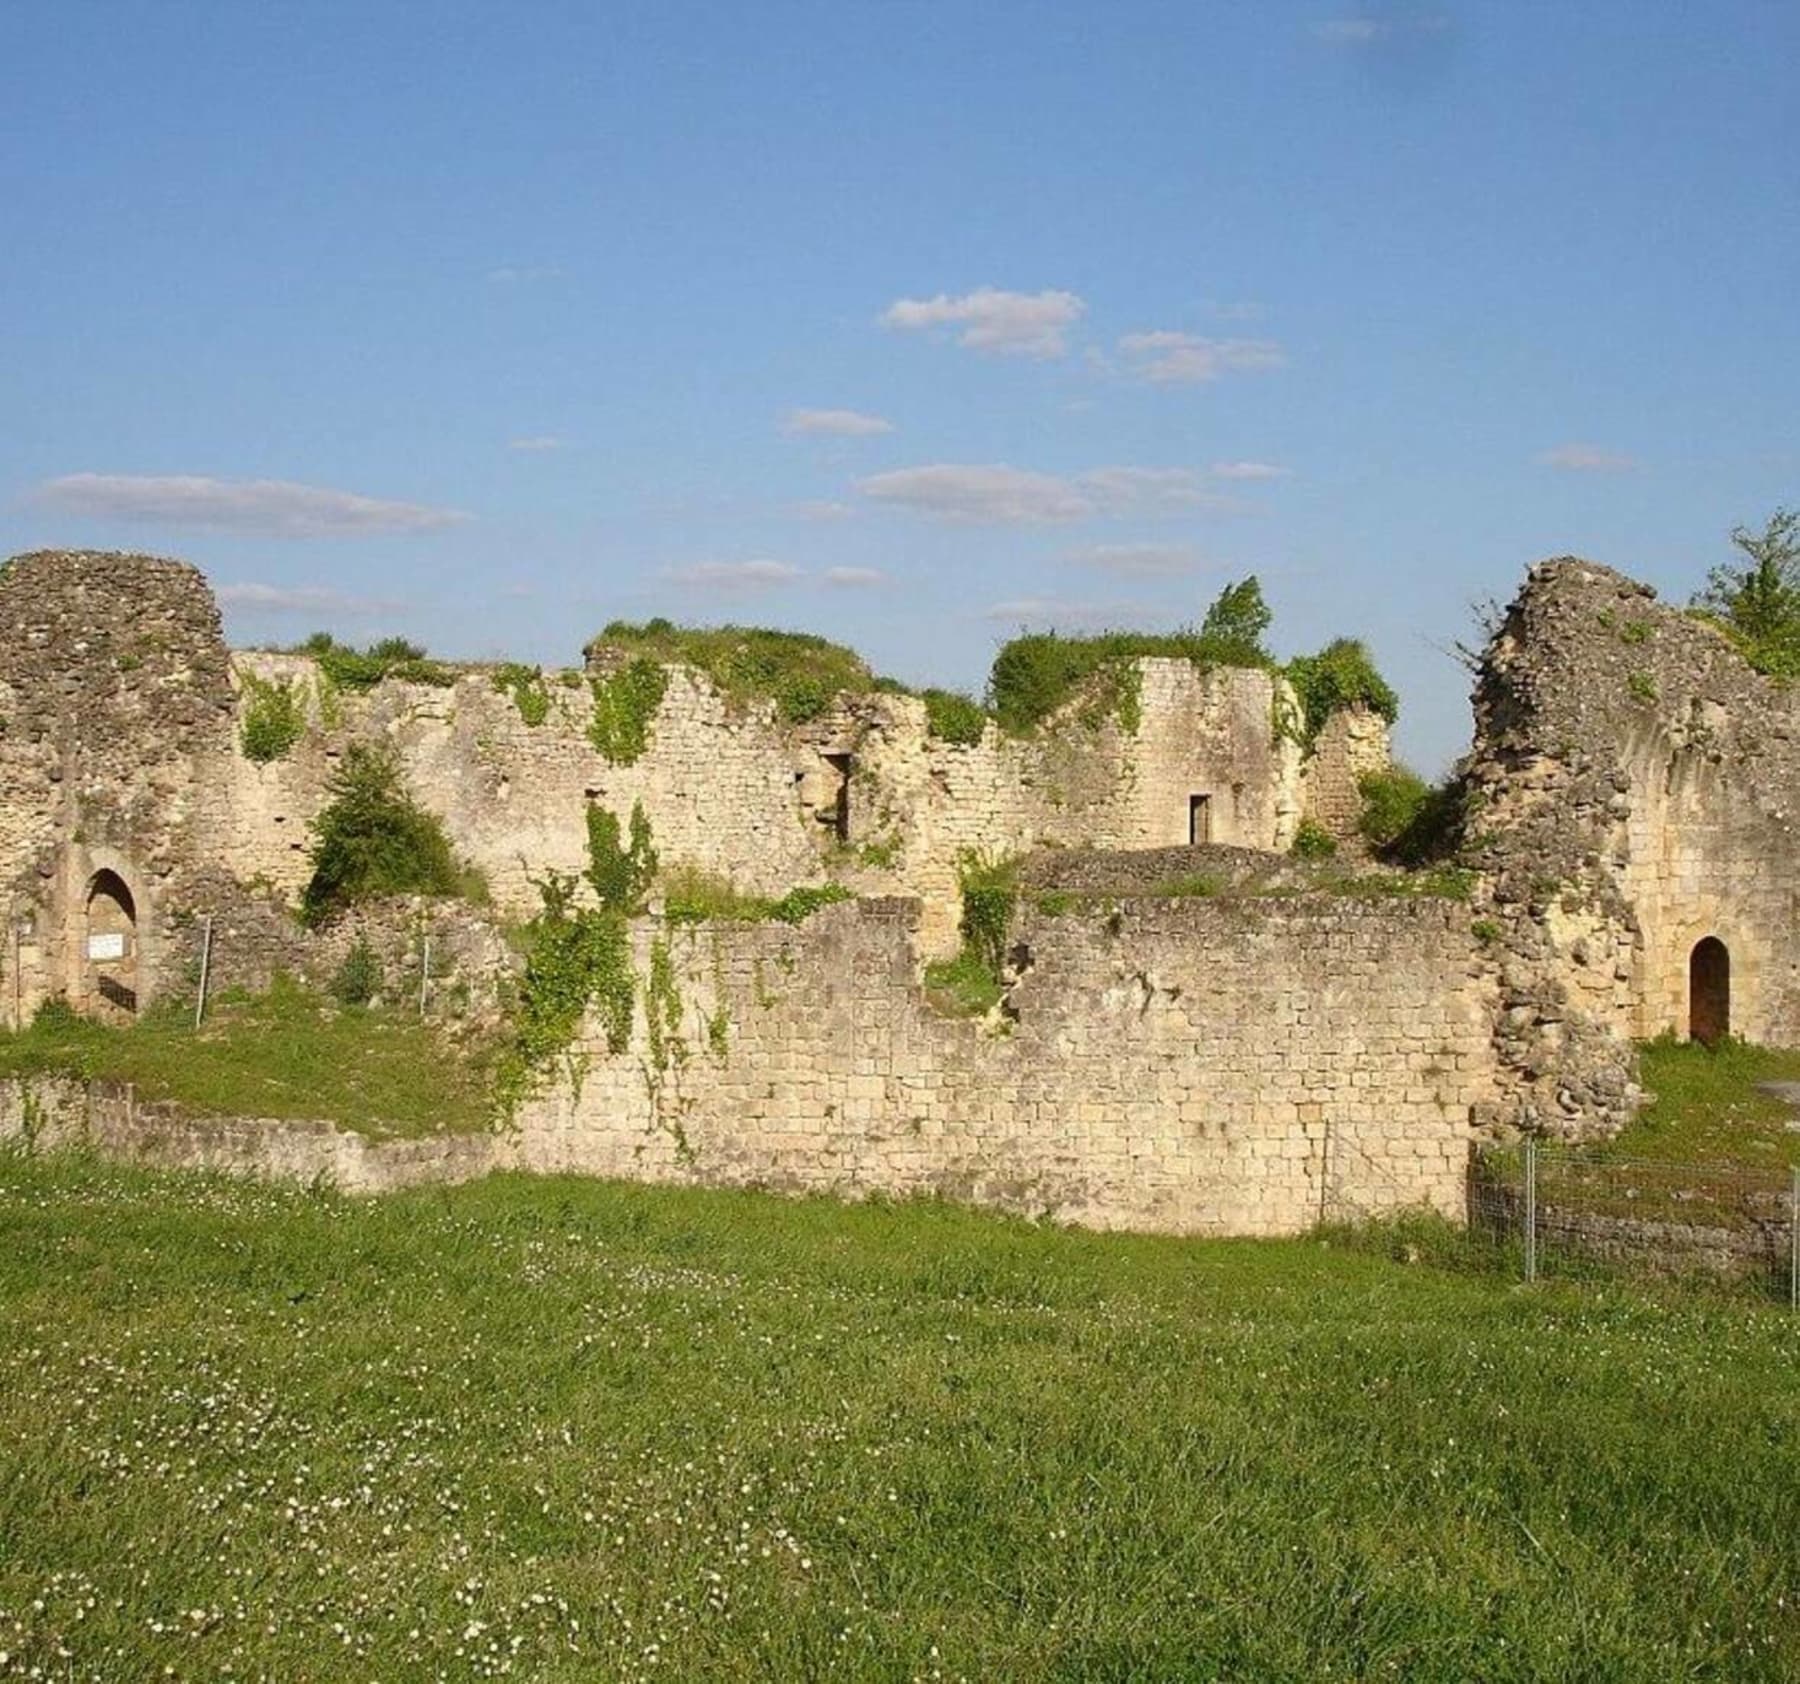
1757,599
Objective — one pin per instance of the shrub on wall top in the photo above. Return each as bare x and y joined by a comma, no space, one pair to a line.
274,717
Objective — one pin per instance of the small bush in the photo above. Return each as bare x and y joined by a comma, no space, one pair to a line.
1312,841
347,668
372,839
990,892
954,718
358,979
625,705
963,986
1341,675
274,717
1408,821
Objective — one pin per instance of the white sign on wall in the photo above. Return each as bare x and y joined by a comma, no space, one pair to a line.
107,946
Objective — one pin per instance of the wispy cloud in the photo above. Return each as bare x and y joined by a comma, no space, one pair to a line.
268,508
1141,561
1148,491
745,577
1016,324
822,509
1051,611
997,494
540,442
986,494
1167,358
852,578
523,274
1364,30
835,423
301,599
1248,471
1587,459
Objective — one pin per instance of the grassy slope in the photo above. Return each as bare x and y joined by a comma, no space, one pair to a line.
286,1053
1707,1108
576,1425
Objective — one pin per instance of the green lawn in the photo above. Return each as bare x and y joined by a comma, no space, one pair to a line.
286,1053
563,1430
1707,1107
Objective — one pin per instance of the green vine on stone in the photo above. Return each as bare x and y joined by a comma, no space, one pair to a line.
274,717
529,689
625,706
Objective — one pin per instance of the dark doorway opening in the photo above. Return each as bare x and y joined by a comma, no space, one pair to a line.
1709,992
110,944
1199,820
843,765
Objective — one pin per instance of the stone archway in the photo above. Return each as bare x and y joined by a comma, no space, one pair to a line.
1709,991
109,945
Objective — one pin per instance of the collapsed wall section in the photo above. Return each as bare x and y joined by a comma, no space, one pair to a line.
1633,797
1197,1066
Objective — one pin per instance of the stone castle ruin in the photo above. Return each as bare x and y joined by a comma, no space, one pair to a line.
1197,1031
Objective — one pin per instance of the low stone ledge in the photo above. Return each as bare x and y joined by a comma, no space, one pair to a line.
52,1112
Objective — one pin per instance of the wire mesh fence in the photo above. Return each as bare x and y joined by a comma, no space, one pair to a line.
1557,1211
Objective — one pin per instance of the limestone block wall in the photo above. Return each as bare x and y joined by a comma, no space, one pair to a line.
1199,1066
1352,743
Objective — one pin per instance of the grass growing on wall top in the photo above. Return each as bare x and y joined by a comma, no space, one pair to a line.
288,1053
568,1430
797,671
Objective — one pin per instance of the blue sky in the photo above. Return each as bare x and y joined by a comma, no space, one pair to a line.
908,323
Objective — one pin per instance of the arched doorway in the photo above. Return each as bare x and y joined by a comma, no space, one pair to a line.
109,947
1709,992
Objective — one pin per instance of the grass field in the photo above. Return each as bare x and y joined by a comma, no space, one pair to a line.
1708,1107
285,1053
561,1430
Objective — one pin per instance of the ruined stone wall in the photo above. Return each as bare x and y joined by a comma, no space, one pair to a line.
1213,1066
731,791
1351,744
115,699
1634,786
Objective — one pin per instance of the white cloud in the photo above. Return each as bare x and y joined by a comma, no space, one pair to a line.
1017,324
823,509
1135,491
542,441
269,508
1046,611
996,494
854,577
744,576
1365,31
1168,358
992,494
1141,561
1248,471
301,599
835,423
1351,32
1586,459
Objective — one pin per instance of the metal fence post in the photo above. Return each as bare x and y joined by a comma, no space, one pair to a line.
1530,1210
205,971
1794,1241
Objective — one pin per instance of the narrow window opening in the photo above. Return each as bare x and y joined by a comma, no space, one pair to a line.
1709,992
1199,820
844,765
